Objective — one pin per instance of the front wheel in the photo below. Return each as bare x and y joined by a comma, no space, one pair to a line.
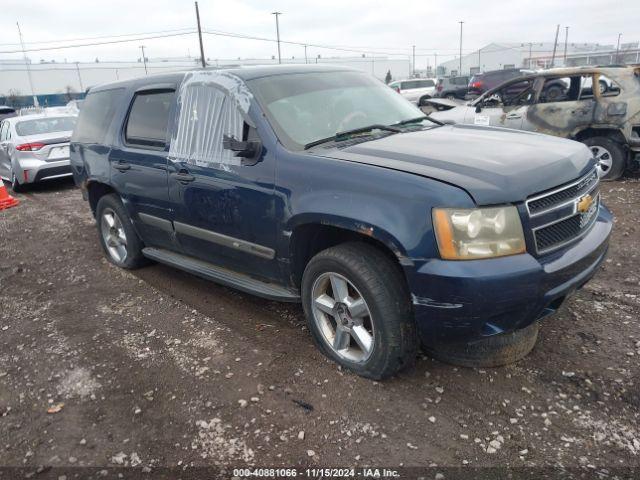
358,310
610,156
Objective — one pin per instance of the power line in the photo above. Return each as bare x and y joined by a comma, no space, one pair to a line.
93,44
173,30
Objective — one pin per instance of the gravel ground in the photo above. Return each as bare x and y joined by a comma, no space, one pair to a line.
156,368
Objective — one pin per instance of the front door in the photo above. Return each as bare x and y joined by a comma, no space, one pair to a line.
223,206
505,107
139,165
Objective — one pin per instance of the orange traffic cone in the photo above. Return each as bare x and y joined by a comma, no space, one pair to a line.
6,200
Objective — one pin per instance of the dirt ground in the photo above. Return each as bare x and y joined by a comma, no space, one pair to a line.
157,368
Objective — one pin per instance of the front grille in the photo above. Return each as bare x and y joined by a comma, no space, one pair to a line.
557,233
563,195
564,201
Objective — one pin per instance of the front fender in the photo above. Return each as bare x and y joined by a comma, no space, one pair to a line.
392,206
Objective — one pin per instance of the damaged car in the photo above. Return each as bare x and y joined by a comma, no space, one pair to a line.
563,102
320,185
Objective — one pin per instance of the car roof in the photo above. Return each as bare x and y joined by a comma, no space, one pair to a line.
245,73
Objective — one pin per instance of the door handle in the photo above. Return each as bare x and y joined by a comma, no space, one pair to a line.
184,177
121,166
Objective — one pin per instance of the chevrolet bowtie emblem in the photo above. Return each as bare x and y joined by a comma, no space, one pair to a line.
584,203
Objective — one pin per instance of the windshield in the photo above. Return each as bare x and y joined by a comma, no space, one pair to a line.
306,107
45,125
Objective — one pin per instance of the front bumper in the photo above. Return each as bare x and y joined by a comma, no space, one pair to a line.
469,300
32,170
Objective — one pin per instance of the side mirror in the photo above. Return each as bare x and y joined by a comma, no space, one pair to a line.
478,107
249,151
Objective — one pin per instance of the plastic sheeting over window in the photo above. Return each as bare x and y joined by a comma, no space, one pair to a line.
211,104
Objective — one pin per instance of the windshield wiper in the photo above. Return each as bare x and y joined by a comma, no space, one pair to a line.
419,119
340,136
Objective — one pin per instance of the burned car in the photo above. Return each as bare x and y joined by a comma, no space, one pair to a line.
563,102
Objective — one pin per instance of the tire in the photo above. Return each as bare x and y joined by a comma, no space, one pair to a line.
16,186
553,93
423,100
611,157
489,352
372,277
125,255
602,85
450,96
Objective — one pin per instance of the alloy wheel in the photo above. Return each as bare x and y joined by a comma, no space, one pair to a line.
343,317
604,159
113,235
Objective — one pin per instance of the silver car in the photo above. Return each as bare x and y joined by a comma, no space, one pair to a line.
35,147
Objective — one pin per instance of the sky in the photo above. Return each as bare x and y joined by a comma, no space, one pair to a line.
364,26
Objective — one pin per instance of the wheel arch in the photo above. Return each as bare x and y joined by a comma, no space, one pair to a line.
604,131
312,235
95,191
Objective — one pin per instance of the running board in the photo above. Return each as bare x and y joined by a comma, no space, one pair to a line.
221,275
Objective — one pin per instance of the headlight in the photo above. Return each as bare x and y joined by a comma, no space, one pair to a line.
466,234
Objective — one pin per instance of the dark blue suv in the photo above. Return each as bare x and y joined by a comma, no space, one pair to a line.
321,185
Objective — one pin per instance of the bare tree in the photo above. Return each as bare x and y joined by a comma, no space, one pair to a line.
13,96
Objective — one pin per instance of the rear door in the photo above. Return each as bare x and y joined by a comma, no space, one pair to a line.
139,163
565,104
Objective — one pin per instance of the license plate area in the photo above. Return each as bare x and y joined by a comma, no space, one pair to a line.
59,153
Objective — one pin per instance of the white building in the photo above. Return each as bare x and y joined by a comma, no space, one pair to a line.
57,77
498,56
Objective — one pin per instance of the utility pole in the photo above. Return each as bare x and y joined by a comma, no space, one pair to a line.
435,63
414,60
305,55
566,41
479,64
277,14
555,45
79,77
144,60
530,45
204,63
26,61
618,49
460,70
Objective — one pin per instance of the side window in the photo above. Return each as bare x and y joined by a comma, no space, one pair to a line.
96,115
207,113
148,119
565,89
607,87
3,131
517,93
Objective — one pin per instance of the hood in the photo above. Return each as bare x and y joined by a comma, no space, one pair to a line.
494,165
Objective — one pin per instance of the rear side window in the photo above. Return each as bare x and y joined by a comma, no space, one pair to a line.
149,118
96,115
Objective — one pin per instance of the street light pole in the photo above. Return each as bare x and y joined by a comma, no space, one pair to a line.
414,60
555,46
460,70
144,60
305,55
618,49
566,40
204,63
28,65
79,77
277,14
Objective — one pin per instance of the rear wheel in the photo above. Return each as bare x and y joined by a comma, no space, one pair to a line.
492,351
610,156
450,96
119,240
358,310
